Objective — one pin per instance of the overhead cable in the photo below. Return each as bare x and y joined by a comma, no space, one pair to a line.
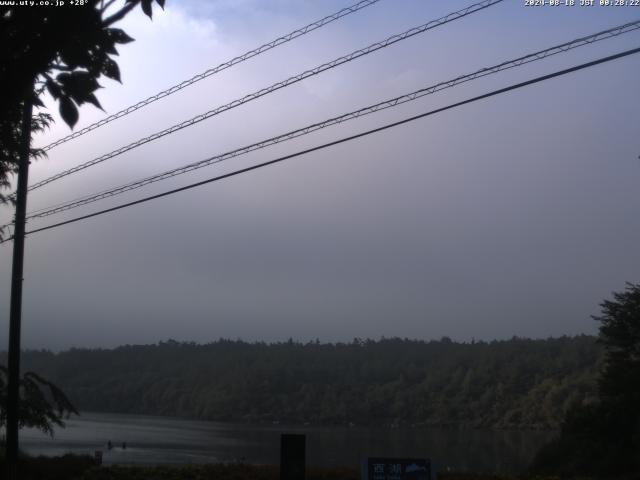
532,57
344,139
276,86
212,71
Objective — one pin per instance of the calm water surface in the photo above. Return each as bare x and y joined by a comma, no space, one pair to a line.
164,440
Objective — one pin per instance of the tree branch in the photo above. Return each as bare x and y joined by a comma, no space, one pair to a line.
104,7
120,14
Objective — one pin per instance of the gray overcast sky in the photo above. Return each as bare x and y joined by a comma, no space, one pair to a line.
516,215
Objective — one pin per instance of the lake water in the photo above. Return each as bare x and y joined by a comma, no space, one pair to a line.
163,440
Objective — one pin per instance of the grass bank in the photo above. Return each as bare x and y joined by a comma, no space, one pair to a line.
75,467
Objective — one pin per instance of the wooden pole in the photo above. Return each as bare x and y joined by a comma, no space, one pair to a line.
13,387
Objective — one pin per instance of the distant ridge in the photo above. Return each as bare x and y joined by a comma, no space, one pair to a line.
517,383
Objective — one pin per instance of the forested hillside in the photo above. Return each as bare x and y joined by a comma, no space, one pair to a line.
502,384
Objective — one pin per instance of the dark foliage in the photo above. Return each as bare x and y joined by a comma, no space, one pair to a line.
67,467
39,123
619,383
61,50
509,384
603,437
42,404
73,467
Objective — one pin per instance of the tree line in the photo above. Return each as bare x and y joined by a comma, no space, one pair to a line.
518,383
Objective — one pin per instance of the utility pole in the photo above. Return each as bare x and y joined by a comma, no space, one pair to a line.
13,388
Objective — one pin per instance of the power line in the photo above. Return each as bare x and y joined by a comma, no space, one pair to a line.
539,55
344,139
276,86
212,71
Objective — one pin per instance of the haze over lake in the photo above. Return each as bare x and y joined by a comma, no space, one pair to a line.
166,440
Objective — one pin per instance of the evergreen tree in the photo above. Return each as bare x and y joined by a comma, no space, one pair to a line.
603,437
619,383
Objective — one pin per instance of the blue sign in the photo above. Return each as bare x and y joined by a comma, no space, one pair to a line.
377,468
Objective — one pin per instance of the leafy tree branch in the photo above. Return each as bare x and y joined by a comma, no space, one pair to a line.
61,51
42,405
